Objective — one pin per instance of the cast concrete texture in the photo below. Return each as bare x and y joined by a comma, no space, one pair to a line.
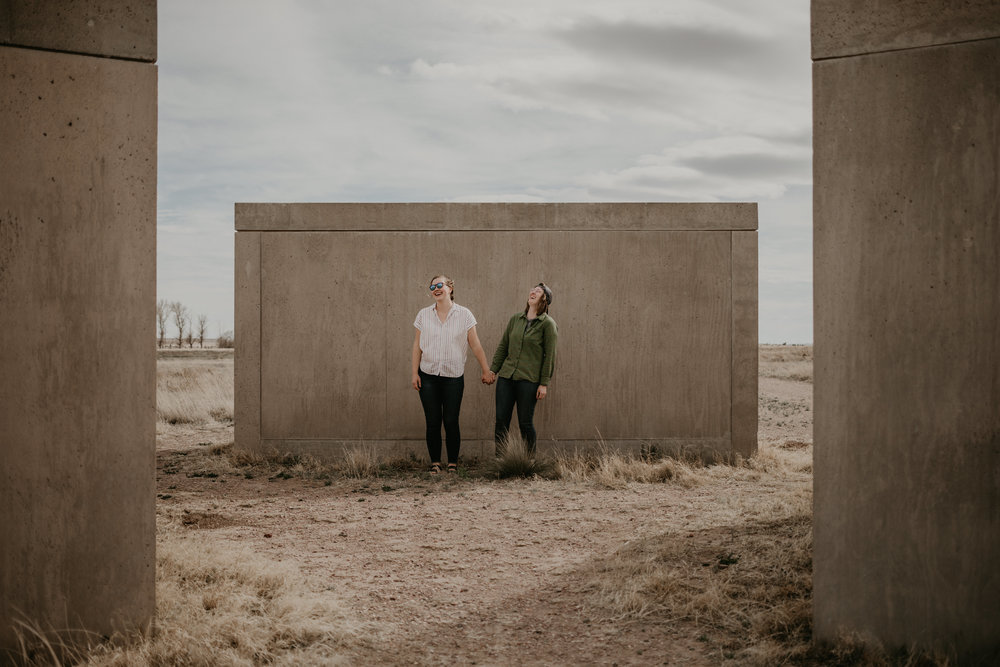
77,387
855,27
107,28
907,377
656,306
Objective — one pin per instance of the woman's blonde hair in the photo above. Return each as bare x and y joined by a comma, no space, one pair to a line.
447,281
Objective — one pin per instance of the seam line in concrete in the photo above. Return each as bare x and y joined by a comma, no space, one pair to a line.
78,53
906,48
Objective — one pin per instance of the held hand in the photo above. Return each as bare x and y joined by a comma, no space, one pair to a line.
542,391
415,381
487,377
493,376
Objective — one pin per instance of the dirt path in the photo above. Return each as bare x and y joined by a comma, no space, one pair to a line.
452,570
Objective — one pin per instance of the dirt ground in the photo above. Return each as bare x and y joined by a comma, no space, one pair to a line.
458,569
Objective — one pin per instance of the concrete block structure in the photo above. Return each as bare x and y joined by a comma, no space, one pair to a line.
656,306
77,290
906,100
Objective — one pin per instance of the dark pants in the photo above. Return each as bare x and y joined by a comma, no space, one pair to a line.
522,394
442,400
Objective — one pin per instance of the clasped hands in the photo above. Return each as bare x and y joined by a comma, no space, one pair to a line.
489,377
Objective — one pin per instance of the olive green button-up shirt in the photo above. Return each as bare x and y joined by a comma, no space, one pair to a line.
527,353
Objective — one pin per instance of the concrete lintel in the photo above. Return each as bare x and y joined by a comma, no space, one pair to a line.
853,27
123,29
496,216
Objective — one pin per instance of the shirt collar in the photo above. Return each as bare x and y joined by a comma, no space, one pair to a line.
450,310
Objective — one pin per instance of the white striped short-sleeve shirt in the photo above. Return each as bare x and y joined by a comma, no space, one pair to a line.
444,345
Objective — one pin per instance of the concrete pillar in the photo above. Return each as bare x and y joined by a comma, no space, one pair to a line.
906,99
77,290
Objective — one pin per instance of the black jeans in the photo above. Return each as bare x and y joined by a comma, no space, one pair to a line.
442,401
522,393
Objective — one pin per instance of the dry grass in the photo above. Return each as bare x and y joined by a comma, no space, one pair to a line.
194,391
786,362
748,584
516,461
218,604
358,461
611,469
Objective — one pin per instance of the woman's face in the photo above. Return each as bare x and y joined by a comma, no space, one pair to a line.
535,296
442,293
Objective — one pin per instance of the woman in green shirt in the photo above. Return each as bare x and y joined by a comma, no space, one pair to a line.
523,364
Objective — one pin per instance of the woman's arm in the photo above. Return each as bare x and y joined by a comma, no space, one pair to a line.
415,380
501,353
549,337
477,351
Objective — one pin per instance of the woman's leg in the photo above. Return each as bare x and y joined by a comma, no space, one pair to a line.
451,392
525,392
505,408
431,400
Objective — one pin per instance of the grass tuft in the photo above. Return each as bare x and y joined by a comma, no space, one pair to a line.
360,462
612,469
514,460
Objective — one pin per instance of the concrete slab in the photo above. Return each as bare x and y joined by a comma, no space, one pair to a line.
853,27
77,391
646,344
112,28
907,350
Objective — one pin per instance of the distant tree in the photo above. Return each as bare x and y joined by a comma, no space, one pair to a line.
190,335
180,313
162,317
202,328
225,339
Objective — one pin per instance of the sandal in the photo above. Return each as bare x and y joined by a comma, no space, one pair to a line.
435,468
452,467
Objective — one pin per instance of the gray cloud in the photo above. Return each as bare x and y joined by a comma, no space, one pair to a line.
750,165
672,45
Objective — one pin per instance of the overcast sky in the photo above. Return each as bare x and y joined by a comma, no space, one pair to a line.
507,100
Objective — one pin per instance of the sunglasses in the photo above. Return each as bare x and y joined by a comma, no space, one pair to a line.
435,286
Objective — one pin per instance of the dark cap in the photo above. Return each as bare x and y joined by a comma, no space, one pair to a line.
548,293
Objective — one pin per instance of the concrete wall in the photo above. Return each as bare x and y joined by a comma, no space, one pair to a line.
906,101
77,282
656,306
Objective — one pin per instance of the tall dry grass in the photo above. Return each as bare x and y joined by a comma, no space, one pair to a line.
219,604
515,460
192,391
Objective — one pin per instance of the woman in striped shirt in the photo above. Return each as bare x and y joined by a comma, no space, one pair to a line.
446,332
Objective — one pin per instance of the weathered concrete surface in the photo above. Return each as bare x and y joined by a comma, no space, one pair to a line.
77,387
907,294
496,216
108,28
646,351
246,414
855,27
